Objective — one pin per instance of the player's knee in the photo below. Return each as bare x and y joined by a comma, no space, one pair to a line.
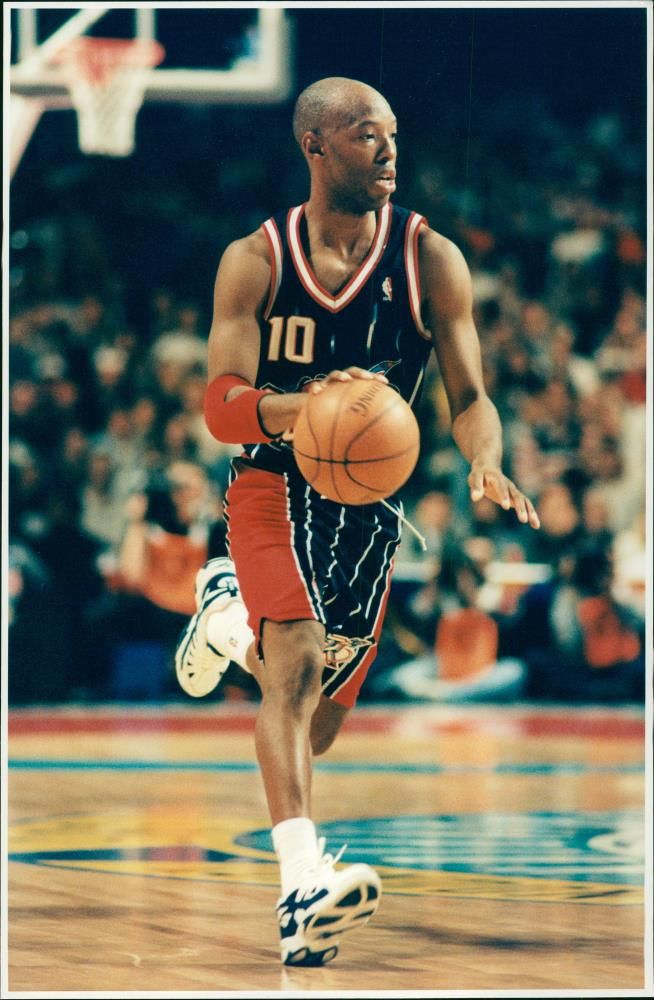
293,669
302,684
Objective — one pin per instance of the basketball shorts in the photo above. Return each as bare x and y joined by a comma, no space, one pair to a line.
299,556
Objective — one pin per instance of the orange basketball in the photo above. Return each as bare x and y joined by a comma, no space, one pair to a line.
356,442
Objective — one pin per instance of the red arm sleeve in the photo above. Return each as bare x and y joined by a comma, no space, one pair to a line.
236,421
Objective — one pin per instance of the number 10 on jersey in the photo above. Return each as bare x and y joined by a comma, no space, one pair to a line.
294,337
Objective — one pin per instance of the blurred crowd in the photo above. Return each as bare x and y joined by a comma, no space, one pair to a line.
116,486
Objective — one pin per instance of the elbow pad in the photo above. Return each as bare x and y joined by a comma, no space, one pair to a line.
236,421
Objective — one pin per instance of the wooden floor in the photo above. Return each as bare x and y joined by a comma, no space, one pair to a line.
509,841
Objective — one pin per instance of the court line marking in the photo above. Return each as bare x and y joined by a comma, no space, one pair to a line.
589,725
397,882
334,767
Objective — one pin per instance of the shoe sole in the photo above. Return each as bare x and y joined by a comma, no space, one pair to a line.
307,959
216,670
198,623
351,909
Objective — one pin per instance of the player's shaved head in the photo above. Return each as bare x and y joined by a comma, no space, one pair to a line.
334,102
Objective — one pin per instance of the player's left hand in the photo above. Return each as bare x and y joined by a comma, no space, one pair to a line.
345,375
337,375
487,480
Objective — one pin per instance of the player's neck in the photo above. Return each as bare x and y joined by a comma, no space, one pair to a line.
341,231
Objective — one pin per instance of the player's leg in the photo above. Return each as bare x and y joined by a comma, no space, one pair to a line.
276,571
293,663
318,903
326,723
217,633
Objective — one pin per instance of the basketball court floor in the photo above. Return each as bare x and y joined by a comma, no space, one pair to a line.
509,840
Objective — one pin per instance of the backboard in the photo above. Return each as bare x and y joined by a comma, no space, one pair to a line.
213,55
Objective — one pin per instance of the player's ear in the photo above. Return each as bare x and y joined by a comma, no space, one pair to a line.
312,144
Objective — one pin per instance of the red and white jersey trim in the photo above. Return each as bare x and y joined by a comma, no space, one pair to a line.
271,233
412,270
334,303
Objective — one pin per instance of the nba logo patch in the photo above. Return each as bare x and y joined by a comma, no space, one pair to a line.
387,289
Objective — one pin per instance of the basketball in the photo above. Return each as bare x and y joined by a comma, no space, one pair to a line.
356,442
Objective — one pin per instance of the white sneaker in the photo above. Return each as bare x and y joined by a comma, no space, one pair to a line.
199,664
325,905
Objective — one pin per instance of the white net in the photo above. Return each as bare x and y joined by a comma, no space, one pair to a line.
107,78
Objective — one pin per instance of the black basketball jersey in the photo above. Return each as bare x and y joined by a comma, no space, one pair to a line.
373,321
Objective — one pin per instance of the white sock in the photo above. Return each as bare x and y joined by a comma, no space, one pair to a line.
229,632
296,846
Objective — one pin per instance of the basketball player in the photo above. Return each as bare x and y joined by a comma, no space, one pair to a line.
346,286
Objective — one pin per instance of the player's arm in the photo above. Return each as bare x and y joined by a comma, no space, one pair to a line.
235,411
476,428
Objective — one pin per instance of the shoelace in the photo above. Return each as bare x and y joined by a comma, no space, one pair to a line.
325,861
405,520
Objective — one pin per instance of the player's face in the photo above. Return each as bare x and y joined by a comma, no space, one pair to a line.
360,158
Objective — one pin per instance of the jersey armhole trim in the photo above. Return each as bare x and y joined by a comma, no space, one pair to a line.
271,233
413,228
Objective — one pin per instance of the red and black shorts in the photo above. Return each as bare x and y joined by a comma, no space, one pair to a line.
299,556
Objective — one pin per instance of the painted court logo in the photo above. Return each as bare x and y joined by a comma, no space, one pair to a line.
589,857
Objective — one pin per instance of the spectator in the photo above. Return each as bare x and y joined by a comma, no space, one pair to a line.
461,659
103,515
433,519
39,657
165,542
213,454
563,363
167,538
561,528
579,643
120,440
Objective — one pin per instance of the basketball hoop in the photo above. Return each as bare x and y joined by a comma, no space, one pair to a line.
106,78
